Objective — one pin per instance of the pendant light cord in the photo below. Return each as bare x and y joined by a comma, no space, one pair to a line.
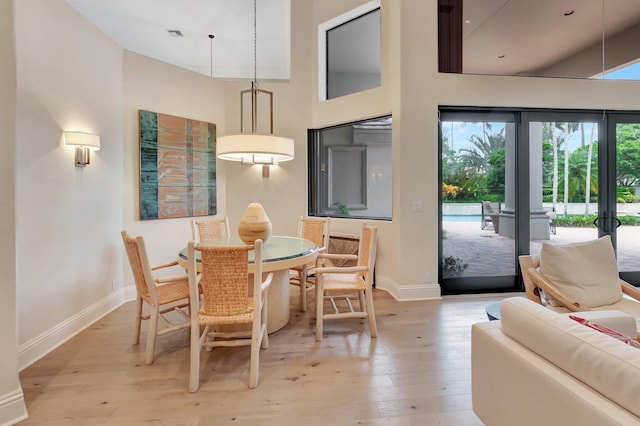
211,37
255,46
604,115
603,22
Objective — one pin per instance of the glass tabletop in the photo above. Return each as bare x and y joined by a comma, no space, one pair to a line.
276,248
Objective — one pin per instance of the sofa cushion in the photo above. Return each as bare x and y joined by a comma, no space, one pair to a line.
587,271
606,365
633,342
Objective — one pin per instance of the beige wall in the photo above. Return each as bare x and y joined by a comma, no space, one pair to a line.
68,218
407,245
157,86
12,406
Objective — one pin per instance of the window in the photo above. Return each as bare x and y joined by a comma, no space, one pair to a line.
349,52
350,170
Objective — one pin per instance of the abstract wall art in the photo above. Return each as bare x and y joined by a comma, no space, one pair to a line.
177,167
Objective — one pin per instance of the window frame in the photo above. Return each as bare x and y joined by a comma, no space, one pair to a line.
319,162
323,30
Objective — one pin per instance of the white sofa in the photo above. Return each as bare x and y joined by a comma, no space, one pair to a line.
538,367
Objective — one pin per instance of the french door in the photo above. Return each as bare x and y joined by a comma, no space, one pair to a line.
624,210
478,236
565,177
512,180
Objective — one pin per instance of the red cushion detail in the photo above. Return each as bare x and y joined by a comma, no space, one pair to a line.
608,331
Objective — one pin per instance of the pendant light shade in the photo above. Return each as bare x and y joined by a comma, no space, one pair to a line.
254,148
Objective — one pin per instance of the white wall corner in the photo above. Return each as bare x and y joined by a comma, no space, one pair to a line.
12,408
36,348
405,293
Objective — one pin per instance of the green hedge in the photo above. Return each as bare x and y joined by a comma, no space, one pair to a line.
579,221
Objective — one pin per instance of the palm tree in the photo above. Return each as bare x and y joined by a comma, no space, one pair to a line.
587,195
554,147
477,157
559,134
566,168
577,180
550,130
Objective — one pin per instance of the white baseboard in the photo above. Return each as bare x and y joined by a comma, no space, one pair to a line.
405,293
34,349
12,408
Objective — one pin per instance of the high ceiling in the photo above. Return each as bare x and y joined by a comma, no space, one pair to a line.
533,34
142,26
530,34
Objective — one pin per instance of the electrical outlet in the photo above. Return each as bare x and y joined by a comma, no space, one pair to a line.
427,277
114,284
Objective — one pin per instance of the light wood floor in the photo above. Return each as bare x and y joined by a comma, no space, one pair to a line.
417,372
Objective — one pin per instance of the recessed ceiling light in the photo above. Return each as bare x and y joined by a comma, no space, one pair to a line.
467,21
569,12
175,33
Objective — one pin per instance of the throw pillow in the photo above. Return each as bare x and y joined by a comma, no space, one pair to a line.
609,332
587,271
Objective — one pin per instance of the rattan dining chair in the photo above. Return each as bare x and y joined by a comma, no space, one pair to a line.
229,314
163,295
336,285
213,229
316,230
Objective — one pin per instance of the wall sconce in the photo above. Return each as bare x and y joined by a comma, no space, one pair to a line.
84,143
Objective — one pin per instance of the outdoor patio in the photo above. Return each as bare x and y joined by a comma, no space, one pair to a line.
489,254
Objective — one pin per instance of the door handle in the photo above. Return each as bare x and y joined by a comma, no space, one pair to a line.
601,222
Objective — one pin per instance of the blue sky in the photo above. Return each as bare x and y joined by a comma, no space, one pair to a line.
631,72
460,132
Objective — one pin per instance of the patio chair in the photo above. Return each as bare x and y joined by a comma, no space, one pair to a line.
579,277
552,221
491,215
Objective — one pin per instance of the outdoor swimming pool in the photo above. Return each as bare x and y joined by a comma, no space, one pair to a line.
461,218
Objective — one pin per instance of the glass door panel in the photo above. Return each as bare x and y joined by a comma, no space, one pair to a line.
627,211
477,202
563,182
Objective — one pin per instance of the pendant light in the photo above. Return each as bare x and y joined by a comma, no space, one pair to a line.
255,148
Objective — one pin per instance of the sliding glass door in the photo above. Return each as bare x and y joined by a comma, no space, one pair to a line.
564,183
513,180
478,216
623,222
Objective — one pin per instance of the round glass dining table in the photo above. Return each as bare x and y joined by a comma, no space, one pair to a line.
279,254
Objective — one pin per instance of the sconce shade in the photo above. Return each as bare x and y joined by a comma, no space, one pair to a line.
84,143
82,139
254,148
